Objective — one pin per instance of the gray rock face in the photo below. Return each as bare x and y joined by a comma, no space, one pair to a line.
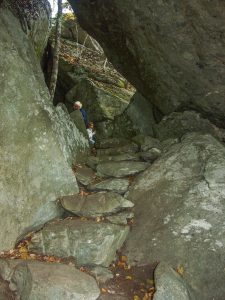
98,204
35,19
120,169
38,143
166,144
170,285
177,63
150,155
184,191
136,119
89,242
100,103
104,129
48,281
119,186
146,142
84,175
177,124
120,218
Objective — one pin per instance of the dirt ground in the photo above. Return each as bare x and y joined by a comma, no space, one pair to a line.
129,282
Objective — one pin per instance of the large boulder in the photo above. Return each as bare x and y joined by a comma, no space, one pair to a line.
137,118
172,52
170,285
179,214
178,123
38,142
101,102
89,242
53,281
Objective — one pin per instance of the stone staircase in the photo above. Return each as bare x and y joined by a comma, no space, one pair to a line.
96,222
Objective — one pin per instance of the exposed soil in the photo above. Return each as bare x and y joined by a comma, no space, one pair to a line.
129,282
5,292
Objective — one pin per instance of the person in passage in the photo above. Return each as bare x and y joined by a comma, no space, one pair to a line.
91,133
78,106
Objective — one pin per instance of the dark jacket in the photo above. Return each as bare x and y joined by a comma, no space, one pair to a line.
85,117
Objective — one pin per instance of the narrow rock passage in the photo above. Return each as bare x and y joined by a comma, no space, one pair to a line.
117,162
96,224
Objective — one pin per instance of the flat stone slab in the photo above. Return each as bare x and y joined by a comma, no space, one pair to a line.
89,242
93,161
84,175
130,148
94,205
53,281
115,185
112,143
120,169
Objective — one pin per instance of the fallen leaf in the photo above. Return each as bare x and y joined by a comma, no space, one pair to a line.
98,219
123,258
180,270
121,264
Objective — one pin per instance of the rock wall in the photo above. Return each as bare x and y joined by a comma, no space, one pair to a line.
34,16
138,118
37,145
172,52
179,214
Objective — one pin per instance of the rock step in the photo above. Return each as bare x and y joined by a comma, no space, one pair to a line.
93,161
89,242
120,169
112,143
95,205
130,148
114,185
84,174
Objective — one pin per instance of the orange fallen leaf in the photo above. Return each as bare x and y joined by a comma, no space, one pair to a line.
121,264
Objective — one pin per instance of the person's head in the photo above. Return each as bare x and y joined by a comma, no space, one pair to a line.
91,125
77,105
